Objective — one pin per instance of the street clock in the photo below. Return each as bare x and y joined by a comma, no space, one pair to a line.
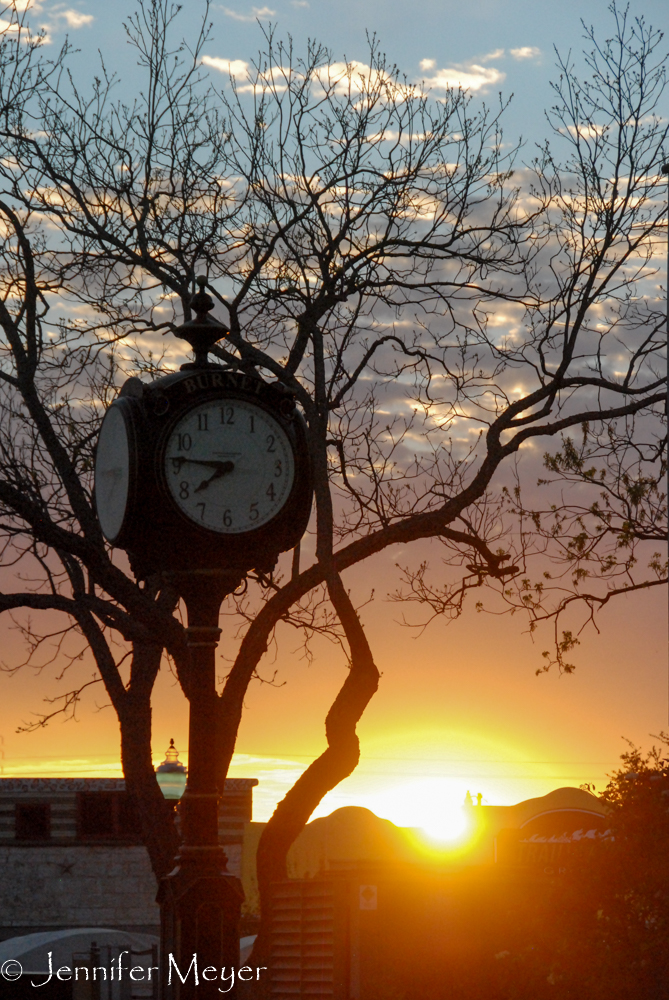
203,475
205,468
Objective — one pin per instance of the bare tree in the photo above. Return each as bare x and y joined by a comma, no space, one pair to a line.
592,302
360,240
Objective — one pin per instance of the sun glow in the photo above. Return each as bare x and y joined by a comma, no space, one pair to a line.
450,826
419,779
434,805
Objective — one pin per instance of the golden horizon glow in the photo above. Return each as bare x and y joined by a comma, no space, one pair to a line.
416,779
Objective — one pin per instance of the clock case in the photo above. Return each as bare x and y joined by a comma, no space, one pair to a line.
157,535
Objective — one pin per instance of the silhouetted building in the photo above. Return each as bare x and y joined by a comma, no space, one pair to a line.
380,913
71,853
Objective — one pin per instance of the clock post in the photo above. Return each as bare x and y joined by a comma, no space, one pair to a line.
200,901
202,476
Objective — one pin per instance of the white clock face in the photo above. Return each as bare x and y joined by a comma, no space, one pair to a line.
229,466
112,473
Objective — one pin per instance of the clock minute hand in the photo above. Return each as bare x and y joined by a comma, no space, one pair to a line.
210,463
221,469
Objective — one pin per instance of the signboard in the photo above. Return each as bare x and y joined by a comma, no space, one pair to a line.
367,897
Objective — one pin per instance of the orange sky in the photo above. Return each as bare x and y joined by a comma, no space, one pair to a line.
458,708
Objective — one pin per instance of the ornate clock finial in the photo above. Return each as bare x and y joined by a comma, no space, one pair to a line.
203,331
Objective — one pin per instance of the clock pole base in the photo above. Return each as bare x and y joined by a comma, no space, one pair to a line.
200,905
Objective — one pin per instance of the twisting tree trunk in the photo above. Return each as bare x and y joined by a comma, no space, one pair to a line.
334,764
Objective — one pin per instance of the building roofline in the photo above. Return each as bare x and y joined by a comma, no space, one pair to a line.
32,785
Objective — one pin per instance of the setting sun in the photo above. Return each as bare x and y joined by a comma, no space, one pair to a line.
434,805
449,824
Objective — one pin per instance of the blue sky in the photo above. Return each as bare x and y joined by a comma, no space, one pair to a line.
493,45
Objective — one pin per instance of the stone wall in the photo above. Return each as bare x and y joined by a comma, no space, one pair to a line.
91,886
65,880
76,886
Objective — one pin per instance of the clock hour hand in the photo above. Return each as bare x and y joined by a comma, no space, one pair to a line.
221,469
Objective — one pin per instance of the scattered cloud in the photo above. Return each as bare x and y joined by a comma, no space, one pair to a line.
257,13
495,54
233,67
75,19
526,52
357,77
58,12
55,18
586,131
470,77
277,77
299,3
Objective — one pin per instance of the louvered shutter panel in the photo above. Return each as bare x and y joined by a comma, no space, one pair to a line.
309,953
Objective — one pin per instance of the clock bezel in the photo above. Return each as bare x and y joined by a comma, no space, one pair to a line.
131,414
203,399
229,539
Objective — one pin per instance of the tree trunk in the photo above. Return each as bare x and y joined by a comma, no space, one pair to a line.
336,763
159,832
